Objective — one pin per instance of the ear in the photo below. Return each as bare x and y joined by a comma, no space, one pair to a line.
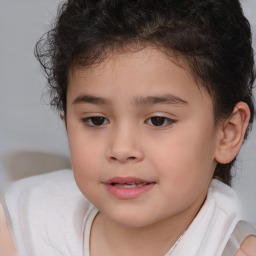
231,134
63,118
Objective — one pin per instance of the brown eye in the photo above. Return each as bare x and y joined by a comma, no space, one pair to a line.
95,121
159,121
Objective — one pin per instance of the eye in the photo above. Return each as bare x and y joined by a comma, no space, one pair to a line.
95,121
159,121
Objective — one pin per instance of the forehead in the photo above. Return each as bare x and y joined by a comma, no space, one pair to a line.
148,71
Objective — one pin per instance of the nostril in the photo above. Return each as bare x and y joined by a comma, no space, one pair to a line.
113,158
131,158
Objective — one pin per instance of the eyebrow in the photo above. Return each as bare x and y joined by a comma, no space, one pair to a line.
163,99
91,99
149,100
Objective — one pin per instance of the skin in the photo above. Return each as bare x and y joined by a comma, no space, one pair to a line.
179,155
7,247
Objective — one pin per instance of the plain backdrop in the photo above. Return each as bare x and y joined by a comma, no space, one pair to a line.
32,136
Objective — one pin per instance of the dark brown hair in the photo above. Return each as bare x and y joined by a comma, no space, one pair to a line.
212,36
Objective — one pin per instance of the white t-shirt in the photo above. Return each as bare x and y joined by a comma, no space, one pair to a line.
48,215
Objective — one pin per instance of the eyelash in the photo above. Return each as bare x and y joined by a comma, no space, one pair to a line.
89,121
161,120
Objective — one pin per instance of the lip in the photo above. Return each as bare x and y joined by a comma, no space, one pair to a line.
128,187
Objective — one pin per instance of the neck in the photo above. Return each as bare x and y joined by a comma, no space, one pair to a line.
155,239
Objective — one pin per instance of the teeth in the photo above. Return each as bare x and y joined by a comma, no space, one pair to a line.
129,185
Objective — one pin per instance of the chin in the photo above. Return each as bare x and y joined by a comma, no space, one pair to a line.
134,220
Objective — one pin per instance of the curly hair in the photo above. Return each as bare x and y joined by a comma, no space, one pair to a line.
213,37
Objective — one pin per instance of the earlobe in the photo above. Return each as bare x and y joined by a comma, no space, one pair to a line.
231,134
63,118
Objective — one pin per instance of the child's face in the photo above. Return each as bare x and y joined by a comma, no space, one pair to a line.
142,138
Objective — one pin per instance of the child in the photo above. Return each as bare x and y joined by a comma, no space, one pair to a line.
156,97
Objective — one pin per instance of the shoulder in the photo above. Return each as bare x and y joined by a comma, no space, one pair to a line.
248,247
53,183
43,209
7,247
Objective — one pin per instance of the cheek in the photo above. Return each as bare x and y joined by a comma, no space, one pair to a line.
84,164
84,159
188,154
85,154
185,167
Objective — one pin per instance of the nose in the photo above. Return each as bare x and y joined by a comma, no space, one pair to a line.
125,146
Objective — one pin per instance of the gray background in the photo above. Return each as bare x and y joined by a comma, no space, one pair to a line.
32,137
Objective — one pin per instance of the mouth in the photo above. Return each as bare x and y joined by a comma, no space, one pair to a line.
128,187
